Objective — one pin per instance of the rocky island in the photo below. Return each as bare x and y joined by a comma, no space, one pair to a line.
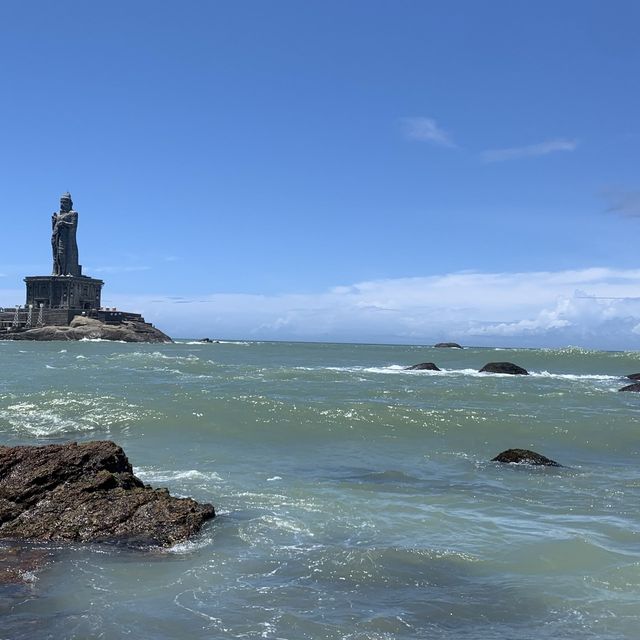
84,328
67,304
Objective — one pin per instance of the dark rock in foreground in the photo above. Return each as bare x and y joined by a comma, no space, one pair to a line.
423,366
524,456
504,367
87,493
631,387
81,328
634,376
447,345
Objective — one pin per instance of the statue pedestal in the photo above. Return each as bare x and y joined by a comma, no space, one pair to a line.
64,292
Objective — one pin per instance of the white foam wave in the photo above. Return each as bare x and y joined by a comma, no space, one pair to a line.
241,343
45,415
570,350
156,355
572,376
24,416
395,369
403,370
29,576
152,474
190,546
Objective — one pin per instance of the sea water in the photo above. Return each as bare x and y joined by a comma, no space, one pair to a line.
355,499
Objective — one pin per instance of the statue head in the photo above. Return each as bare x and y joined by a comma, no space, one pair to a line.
66,203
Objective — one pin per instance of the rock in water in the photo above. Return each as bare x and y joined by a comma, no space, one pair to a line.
631,387
447,345
87,493
423,366
634,376
504,367
19,563
524,456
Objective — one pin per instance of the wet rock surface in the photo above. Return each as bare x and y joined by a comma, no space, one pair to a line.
634,376
88,328
423,366
631,387
447,345
87,493
524,456
504,367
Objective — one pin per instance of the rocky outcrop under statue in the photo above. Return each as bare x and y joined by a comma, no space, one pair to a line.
82,328
87,493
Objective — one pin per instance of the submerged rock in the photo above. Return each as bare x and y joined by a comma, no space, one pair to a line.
87,493
631,387
82,327
423,366
504,367
524,456
447,345
19,564
634,376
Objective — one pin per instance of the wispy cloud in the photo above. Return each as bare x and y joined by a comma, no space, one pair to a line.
529,151
426,130
119,269
589,307
626,203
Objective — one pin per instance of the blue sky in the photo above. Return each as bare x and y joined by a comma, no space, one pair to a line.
364,170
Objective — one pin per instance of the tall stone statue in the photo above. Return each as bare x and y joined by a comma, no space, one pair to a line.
64,224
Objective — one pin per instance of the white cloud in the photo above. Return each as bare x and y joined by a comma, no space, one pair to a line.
426,130
594,307
118,269
533,150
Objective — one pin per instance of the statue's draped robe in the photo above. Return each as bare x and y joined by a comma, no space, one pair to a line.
63,243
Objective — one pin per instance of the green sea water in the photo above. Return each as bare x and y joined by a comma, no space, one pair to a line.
356,500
